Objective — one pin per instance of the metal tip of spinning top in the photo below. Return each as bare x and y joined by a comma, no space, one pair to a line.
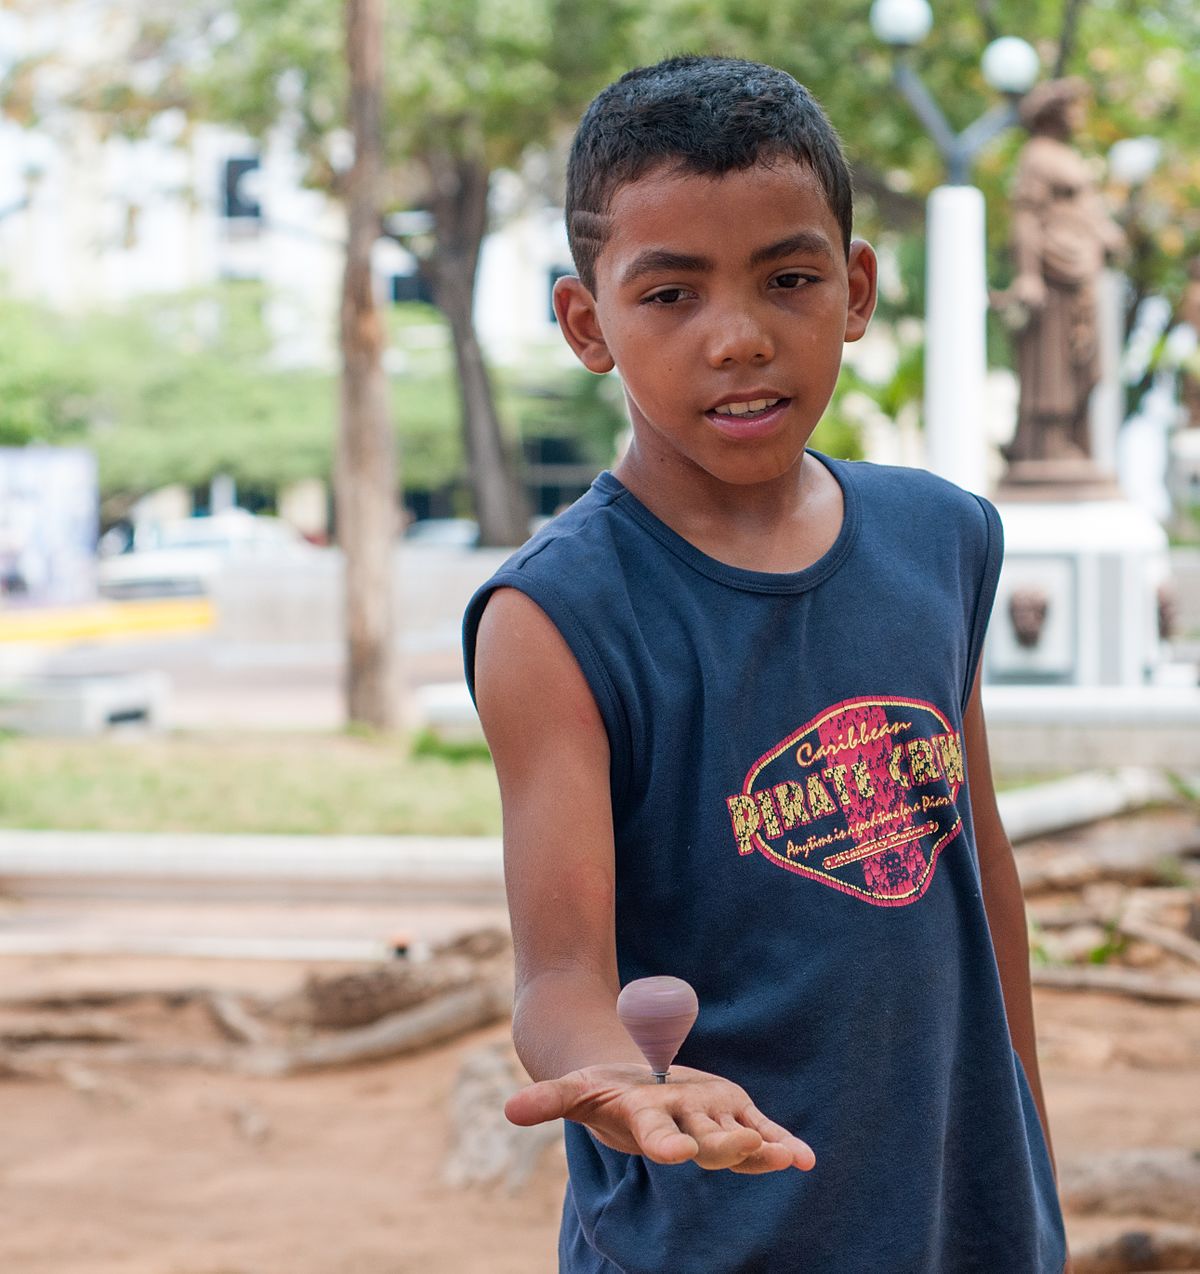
658,1013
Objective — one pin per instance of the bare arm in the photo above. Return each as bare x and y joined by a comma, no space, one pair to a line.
551,753
1004,902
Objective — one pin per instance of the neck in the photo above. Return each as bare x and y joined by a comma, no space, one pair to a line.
682,494
781,525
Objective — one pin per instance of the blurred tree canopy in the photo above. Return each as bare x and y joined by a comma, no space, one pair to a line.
182,388
477,85
474,85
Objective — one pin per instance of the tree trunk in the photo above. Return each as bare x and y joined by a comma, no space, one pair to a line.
459,190
366,461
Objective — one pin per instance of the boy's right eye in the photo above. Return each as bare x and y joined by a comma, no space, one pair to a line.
667,296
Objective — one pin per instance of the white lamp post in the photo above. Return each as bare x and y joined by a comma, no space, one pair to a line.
1135,455
956,282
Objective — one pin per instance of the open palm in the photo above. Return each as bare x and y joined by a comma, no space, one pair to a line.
695,1116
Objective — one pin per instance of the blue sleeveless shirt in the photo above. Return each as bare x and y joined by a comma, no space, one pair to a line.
793,837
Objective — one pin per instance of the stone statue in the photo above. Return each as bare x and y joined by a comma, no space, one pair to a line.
1061,236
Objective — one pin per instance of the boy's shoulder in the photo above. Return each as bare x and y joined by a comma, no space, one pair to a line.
908,494
903,482
572,536
570,568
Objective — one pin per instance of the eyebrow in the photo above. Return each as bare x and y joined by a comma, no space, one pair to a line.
662,260
811,241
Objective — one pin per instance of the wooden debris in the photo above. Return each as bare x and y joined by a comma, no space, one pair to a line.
18,1068
430,1023
477,944
1164,1248
1161,987
485,1148
103,998
1065,916
1176,943
75,1028
355,999
1135,862
1073,943
1159,1183
234,1020
55,1055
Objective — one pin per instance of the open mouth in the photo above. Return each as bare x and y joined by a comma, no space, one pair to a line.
748,410
750,419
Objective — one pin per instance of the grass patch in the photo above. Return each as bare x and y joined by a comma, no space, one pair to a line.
322,784
1013,782
1187,792
428,746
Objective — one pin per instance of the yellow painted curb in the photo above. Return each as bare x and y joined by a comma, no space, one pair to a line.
108,621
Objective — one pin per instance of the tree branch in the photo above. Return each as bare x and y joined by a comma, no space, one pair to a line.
987,16
1066,37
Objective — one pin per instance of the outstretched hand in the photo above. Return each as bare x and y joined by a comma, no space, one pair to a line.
694,1116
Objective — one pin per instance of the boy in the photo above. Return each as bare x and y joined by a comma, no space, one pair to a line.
732,697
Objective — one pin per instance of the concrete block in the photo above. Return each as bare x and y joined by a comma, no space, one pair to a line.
76,706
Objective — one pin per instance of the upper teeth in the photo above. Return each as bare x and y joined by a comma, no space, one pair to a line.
745,409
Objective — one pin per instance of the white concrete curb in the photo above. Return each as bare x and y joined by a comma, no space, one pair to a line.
223,855
309,863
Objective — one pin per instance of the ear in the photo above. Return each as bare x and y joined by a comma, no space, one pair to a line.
863,271
575,309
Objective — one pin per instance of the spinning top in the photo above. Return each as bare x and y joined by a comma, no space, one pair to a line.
658,1013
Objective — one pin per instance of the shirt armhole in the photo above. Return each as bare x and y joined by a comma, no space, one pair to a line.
595,673
992,560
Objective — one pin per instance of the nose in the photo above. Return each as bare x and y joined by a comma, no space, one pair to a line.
739,338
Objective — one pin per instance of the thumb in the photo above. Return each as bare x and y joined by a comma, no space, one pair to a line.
543,1102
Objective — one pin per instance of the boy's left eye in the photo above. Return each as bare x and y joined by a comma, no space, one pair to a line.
665,296
792,280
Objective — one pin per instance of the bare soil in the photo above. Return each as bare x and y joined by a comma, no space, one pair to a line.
113,1168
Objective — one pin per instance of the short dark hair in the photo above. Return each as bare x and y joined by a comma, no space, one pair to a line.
703,115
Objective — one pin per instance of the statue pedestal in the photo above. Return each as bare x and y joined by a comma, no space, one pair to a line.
1068,480
1077,603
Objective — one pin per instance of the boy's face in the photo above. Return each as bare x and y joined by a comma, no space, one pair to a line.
724,304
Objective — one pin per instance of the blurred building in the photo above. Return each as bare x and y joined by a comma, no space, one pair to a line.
89,221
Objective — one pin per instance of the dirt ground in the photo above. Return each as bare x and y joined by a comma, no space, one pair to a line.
119,1169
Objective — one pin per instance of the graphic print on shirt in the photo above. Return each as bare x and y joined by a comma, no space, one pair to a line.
861,798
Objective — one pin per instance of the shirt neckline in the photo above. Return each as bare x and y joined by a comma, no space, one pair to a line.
737,576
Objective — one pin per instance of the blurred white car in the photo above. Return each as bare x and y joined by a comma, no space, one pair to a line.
457,533
183,557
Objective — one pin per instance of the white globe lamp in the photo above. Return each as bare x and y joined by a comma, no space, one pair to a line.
901,23
1011,65
1133,159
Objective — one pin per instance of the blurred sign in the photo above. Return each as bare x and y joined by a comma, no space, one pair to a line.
49,520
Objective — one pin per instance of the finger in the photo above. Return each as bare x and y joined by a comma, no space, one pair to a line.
770,1157
801,1152
720,1145
546,1101
659,1136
